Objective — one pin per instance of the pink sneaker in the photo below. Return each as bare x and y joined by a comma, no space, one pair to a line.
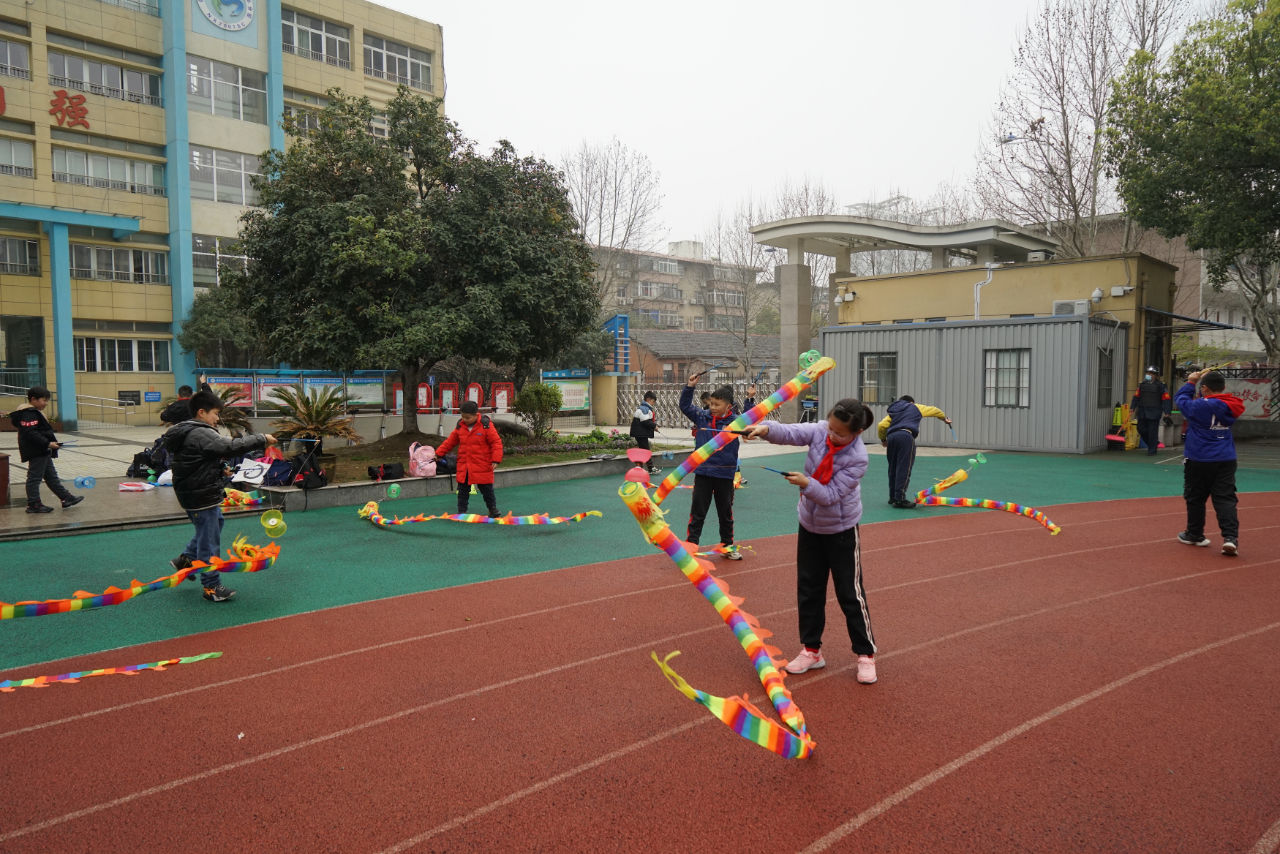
866,669
806,661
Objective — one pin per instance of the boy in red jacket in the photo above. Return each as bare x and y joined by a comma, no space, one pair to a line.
479,452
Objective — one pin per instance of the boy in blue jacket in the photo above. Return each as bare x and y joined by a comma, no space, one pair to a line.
1209,469
714,478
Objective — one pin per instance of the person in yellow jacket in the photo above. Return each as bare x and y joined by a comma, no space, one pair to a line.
898,431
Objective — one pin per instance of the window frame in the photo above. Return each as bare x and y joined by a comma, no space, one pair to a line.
994,382
881,372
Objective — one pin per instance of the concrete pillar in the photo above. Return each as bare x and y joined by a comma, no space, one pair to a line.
939,258
794,283
64,354
986,254
842,271
178,180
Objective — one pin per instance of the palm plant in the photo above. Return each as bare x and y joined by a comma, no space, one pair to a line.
313,414
233,417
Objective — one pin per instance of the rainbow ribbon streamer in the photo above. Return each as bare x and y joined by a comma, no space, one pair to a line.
243,558
930,498
8,686
736,712
370,512
235,498
801,381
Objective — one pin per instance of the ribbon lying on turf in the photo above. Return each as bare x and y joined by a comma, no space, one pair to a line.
930,498
736,712
370,512
243,558
10,685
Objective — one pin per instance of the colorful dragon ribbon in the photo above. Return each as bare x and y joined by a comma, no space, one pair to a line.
10,685
243,557
789,390
930,498
370,512
235,498
736,712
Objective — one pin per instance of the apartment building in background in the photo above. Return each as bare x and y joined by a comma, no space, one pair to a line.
130,131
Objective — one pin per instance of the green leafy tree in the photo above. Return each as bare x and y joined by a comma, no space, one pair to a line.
1196,151
219,333
537,404
399,252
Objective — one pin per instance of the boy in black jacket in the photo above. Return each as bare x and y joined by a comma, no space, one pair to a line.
37,446
198,451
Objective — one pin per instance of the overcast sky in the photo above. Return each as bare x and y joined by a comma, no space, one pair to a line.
731,99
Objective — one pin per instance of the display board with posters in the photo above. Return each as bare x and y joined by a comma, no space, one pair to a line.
501,396
365,391
243,384
575,388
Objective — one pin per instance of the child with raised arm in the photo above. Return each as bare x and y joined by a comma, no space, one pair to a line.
714,478
827,544
1209,470
37,446
198,452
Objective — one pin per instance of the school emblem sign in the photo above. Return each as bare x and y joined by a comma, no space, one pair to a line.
229,15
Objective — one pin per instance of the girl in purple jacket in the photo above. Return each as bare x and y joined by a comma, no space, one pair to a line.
830,509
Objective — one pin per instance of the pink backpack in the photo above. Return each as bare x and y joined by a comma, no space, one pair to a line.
422,460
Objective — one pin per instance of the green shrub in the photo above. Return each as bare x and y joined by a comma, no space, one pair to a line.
537,404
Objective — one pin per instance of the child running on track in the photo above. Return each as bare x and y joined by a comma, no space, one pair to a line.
827,544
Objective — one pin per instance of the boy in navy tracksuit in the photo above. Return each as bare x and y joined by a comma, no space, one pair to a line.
898,431
714,478
1209,470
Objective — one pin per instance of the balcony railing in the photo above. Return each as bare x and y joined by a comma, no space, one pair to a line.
396,78
18,269
106,91
19,171
108,184
146,7
315,56
15,71
120,276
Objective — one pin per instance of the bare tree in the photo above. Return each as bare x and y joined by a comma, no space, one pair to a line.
616,197
748,266
808,198
1044,162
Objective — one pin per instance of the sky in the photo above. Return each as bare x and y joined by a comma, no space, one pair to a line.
732,100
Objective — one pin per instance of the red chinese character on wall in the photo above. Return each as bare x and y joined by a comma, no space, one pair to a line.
69,109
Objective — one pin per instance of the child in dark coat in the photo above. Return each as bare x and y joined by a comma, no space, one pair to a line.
198,451
37,446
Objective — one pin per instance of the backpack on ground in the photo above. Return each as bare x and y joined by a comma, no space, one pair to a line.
307,473
280,473
386,471
154,460
422,460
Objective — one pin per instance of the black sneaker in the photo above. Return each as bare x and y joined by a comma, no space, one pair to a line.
180,562
39,508
72,501
495,514
1189,540
219,594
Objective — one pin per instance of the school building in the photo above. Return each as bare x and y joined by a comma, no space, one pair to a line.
129,134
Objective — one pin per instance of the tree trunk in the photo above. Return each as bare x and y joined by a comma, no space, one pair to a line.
410,372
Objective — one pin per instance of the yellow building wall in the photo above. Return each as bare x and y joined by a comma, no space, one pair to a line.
1021,289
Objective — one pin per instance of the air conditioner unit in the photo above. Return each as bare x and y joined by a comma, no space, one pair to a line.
1063,307
1038,255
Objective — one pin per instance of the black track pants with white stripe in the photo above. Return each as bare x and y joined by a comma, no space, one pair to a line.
839,557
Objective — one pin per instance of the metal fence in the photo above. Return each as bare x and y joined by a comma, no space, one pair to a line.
631,394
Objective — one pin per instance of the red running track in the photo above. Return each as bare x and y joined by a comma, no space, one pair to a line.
1107,689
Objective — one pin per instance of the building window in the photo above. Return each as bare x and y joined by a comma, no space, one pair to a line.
726,274
210,254
661,265
877,377
69,71
115,264
1104,379
102,170
226,90
147,7
17,158
1007,378
96,355
730,298
15,59
223,176
19,257
313,38
397,62
699,323
935,320
726,322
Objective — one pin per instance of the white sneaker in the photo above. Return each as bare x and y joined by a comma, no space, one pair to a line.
806,661
1229,548
866,669
732,553
1192,541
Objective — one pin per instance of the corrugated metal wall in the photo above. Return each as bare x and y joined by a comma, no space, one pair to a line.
941,364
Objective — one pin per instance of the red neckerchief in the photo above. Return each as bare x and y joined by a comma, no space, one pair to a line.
822,474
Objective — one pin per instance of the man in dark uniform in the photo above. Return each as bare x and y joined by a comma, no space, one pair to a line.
1150,403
